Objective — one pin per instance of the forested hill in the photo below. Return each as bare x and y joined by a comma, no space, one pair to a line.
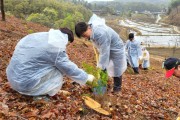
146,1
130,5
173,13
51,13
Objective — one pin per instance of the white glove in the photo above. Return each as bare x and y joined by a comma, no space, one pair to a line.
90,78
140,57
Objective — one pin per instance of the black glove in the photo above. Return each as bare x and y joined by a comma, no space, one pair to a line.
104,70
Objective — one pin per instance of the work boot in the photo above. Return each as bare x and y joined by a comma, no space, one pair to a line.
136,71
117,84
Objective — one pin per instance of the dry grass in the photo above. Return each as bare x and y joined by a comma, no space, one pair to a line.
143,18
122,31
165,52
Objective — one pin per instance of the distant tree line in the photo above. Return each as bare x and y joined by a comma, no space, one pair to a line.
125,7
82,2
52,13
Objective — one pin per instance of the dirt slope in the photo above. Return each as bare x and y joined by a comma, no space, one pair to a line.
147,96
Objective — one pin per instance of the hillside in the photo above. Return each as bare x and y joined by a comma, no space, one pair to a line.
165,2
51,13
127,6
145,96
146,1
174,16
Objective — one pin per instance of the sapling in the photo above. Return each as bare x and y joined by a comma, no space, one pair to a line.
100,83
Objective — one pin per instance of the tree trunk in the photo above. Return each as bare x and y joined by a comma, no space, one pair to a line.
2,10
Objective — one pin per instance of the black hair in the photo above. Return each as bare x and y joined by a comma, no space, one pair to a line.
131,36
171,62
80,28
69,33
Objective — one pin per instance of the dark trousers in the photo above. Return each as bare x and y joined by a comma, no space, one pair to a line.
117,84
136,70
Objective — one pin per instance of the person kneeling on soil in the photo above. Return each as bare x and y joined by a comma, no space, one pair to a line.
172,66
40,61
145,59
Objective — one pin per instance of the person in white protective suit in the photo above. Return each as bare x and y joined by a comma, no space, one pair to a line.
109,45
145,59
134,52
39,63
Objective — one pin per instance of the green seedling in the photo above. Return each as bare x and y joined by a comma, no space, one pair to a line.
101,78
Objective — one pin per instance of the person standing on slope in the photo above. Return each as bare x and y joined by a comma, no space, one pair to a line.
109,45
134,52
